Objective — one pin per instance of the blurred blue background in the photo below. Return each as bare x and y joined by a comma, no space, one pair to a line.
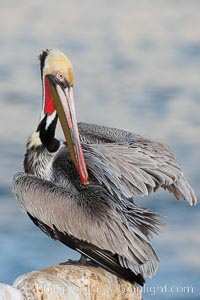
136,67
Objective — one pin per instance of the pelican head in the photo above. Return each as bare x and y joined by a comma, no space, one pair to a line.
58,80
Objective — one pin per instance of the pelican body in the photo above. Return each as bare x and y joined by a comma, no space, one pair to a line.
81,191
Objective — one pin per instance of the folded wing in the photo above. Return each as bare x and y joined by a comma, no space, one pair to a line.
93,223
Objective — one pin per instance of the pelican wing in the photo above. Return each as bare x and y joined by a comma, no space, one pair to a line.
93,133
102,227
137,168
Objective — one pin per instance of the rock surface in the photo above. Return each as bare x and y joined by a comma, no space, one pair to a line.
75,282
8,292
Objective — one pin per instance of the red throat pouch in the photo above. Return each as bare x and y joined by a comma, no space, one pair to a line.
49,106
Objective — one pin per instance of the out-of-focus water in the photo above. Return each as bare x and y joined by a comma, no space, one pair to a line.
137,67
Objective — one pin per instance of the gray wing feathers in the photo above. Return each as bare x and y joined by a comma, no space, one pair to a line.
136,176
182,189
97,220
93,133
137,169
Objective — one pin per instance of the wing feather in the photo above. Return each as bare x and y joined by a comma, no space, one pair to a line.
136,169
92,216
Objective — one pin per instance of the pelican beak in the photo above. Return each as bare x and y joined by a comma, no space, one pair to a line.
64,104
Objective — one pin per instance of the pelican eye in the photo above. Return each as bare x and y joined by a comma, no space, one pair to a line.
60,77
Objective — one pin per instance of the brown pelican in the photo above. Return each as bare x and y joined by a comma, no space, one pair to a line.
81,192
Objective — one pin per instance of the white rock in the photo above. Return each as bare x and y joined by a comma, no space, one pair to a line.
75,282
7,292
